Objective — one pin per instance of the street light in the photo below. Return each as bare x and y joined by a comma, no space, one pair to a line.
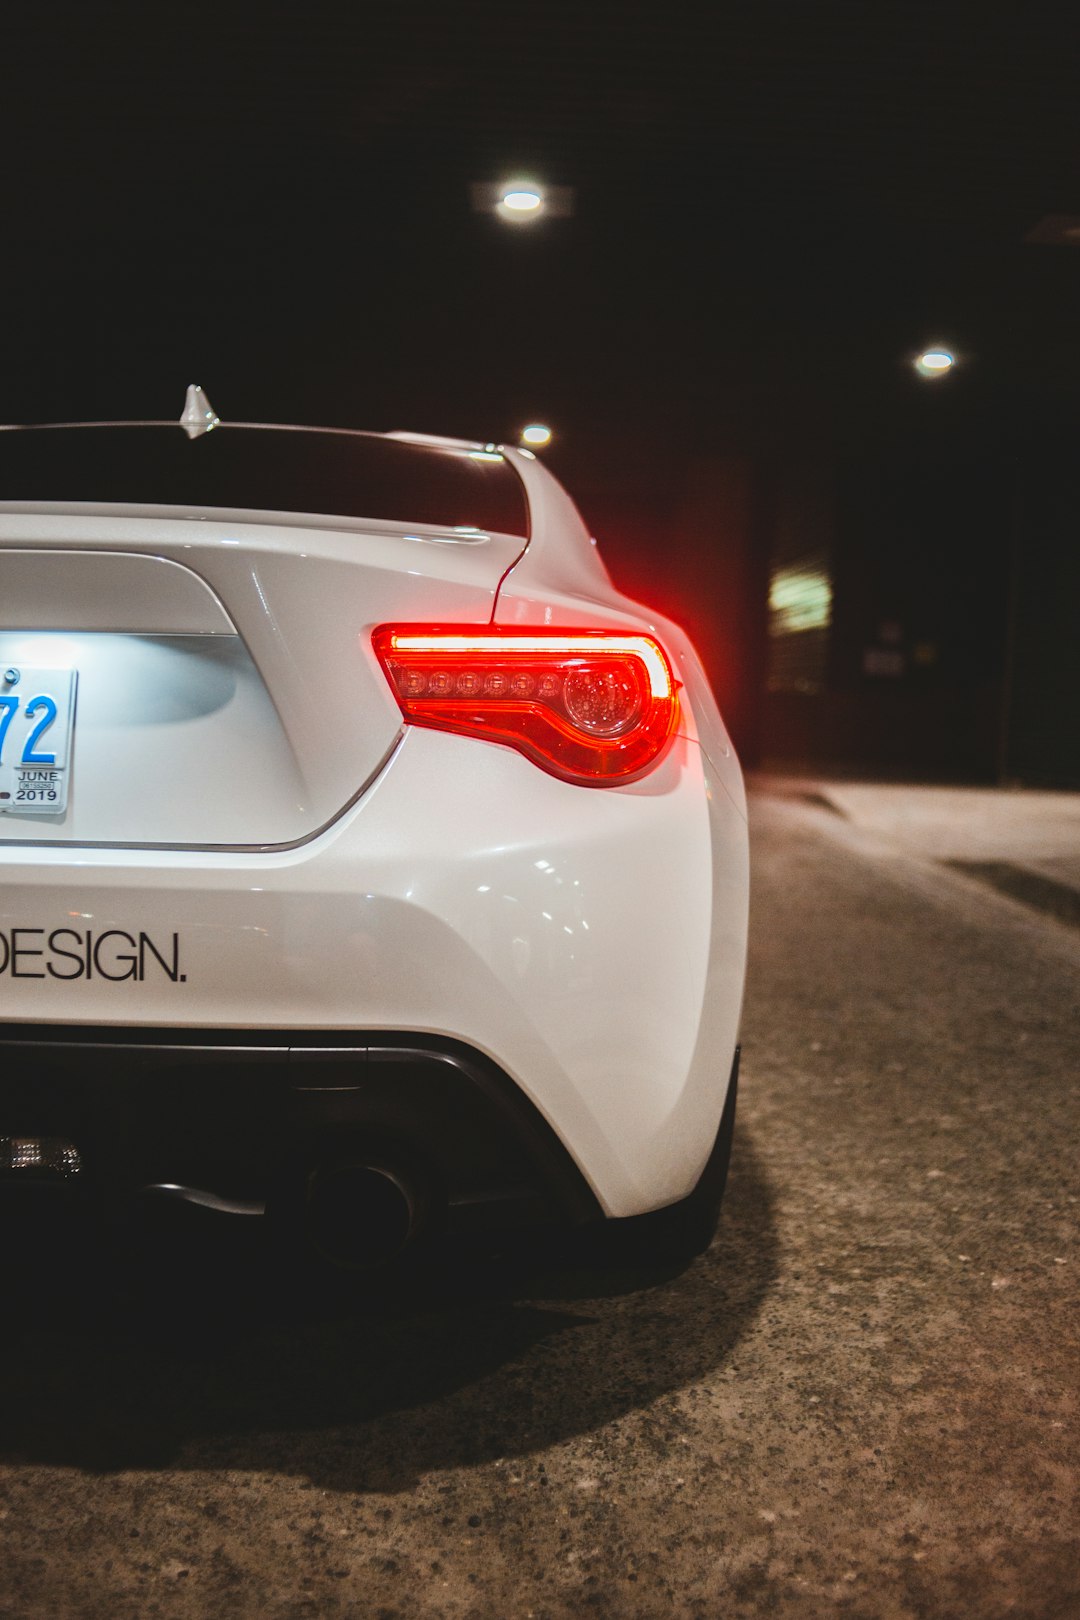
536,434
935,363
520,200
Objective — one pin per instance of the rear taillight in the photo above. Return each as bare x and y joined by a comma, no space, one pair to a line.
592,706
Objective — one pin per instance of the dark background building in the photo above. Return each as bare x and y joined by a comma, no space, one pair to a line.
774,208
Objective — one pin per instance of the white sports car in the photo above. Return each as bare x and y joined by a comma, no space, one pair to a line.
366,859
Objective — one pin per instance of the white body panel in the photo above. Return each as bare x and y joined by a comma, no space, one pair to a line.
589,940
263,746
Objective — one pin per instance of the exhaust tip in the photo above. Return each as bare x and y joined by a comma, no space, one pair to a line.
362,1215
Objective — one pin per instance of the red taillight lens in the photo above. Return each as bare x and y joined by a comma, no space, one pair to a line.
591,706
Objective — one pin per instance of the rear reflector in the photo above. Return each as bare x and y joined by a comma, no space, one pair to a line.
592,706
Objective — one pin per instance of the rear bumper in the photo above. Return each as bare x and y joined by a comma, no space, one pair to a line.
238,1121
588,944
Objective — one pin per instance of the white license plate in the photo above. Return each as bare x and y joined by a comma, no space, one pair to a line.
37,720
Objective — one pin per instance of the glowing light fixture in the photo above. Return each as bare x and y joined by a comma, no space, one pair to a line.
522,201
935,363
536,433
519,199
799,599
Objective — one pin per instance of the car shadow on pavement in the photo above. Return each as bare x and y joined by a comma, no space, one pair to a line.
212,1358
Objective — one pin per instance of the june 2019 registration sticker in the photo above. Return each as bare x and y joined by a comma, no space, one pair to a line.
37,719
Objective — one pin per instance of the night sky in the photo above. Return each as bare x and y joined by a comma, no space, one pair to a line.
774,202
775,206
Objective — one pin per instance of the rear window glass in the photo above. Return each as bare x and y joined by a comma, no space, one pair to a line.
267,469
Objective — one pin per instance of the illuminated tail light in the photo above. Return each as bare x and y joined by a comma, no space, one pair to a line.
592,706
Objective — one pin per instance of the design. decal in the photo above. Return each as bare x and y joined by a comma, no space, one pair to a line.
75,953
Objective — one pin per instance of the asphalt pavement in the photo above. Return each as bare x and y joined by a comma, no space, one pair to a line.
861,1402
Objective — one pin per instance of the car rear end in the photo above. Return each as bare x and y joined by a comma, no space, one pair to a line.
281,944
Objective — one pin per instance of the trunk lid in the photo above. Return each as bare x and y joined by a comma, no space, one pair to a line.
225,691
